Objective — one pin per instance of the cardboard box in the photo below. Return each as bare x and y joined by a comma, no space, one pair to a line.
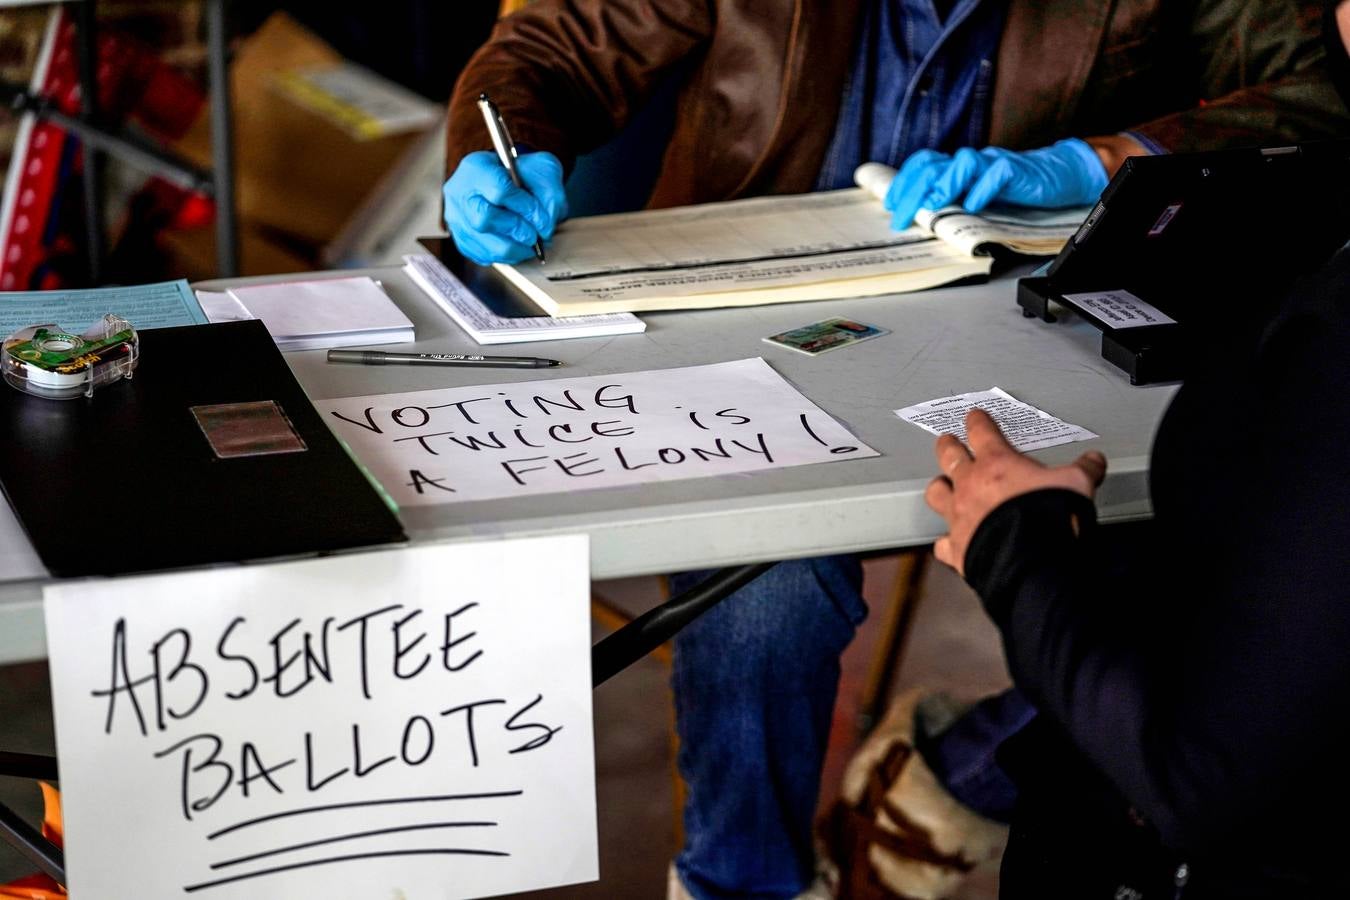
299,175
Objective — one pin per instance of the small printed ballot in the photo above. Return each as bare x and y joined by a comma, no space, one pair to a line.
411,723
828,334
570,434
1025,426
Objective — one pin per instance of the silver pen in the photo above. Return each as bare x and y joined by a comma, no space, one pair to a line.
380,358
506,150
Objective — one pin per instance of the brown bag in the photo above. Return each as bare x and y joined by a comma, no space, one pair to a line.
896,832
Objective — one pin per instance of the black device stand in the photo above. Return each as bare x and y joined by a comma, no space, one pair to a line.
1212,240
1151,354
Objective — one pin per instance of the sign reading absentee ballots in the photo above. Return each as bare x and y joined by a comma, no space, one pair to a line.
570,434
410,724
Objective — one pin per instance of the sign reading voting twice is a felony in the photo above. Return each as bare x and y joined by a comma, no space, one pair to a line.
404,724
506,440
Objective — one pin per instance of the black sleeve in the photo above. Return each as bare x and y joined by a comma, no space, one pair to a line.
1338,62
1032,563
1239,702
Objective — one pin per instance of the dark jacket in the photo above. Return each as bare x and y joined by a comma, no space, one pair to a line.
1195,711
762,80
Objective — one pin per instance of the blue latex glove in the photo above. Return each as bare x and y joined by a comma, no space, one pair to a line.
1067,173
490,218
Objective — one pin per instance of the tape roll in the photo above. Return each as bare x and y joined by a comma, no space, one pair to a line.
39,376
47,361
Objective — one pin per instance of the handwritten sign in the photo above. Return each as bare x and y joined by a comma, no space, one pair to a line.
397,725
506,440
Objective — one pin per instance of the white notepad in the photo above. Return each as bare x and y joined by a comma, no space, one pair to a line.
486,327
336,312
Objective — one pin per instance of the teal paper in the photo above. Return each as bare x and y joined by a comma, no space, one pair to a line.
144,306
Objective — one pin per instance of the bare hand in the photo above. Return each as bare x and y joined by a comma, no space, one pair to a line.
976,481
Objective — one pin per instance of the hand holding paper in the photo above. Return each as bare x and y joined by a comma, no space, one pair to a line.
976,481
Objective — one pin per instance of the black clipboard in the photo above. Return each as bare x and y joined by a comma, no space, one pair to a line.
128,481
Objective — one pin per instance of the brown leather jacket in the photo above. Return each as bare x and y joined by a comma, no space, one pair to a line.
763,79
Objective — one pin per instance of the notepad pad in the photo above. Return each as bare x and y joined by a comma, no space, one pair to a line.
485,326
336,312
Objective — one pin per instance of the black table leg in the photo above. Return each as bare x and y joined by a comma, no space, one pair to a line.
656,626
15,831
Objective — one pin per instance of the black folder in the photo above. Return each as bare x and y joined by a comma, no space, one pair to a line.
127,480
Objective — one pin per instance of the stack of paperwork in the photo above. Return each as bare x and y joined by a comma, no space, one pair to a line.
487,327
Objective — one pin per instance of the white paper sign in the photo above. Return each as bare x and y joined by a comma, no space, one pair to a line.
1120,309
1025,426
539,437
411,724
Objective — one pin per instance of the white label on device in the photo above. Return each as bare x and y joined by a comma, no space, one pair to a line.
1119,309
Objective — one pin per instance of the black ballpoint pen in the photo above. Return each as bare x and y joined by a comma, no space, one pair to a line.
506,150
380,358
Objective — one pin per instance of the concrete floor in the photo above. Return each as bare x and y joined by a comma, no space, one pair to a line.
952,647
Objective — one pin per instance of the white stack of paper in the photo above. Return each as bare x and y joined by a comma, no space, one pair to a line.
220,306
486,327
336,312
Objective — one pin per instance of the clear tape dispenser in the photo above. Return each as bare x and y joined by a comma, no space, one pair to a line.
46,361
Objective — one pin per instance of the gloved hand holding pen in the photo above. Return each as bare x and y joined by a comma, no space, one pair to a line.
1067,173
490,218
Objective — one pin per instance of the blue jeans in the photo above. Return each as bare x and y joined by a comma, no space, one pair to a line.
755,680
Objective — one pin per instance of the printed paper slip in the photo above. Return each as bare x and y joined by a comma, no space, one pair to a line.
162,305
1025,426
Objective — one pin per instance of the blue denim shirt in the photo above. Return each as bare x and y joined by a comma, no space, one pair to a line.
917,81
